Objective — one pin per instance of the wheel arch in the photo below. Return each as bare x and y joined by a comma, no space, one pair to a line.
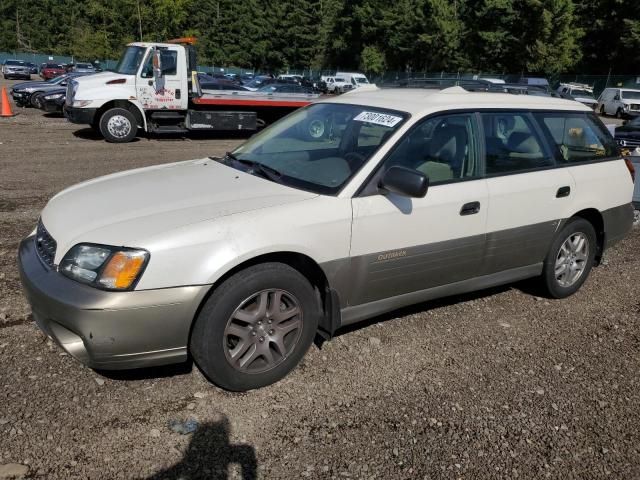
133,107
595,218
309,268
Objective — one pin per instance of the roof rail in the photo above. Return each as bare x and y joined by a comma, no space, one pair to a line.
472,85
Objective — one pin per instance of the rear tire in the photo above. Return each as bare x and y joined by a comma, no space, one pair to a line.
118,125
255,327
570,258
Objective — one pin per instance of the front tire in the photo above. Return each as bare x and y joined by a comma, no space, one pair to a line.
118,125
619,113
36,100
255,327
570,258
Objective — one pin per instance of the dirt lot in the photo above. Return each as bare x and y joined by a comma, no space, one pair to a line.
499,384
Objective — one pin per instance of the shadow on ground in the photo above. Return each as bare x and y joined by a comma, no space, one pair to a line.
210,456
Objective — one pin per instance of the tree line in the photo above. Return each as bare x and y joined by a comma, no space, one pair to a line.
501,36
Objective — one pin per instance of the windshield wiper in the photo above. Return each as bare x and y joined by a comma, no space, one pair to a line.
263,170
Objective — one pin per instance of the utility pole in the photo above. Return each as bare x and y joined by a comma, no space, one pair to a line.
139,20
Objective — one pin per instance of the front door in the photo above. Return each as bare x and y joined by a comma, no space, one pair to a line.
162,81
402,245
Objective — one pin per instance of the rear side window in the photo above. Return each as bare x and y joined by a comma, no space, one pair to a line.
512,144
579,137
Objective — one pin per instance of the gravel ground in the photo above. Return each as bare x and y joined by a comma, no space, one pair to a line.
498,384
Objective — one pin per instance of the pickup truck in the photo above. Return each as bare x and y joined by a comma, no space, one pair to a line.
154,88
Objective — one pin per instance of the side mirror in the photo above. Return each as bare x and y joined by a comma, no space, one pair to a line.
157,64
405,182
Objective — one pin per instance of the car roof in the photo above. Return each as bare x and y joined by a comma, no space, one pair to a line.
422,101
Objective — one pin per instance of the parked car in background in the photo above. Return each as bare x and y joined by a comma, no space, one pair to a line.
356,79
337,85
83,68
621,102
528,80
23,92
579,92
16,69
52,70
33,68
207,82
289,77
286,88
628,138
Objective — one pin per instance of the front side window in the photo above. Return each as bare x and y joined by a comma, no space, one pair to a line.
318,148
578,136
512,144
443,148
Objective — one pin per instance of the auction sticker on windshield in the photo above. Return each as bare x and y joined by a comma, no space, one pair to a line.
378,118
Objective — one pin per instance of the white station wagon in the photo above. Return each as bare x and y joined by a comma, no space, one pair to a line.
337,213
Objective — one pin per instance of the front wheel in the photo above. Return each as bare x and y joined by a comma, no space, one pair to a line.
619,113
255,327
36,100
602,112
118,125
570,258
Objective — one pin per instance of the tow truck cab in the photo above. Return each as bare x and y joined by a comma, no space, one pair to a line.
154,87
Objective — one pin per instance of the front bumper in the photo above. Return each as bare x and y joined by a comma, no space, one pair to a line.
109,330
53,106
83,116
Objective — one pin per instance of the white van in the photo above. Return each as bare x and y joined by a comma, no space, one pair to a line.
621,102
356,79
398,197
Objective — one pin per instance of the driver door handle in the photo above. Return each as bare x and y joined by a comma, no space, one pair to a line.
470,208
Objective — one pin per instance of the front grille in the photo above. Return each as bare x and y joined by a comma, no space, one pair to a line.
45,245
635,106
628,142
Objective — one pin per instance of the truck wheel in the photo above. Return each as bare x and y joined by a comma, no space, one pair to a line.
619,113
255,327
602,112
570,258
118,125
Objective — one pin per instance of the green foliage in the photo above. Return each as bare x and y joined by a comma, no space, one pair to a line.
502,36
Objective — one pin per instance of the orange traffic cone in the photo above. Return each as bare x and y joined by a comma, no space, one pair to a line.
6,106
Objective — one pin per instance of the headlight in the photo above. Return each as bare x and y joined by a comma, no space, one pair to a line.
626,106
102,266
81,103
54,96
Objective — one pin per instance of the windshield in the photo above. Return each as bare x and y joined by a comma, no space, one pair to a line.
14,62
631,94
361,80
339,79
56,80
318,148
53,65
130,60
635,122
84,65
581,93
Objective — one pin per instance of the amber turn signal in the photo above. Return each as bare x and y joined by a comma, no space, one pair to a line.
122,269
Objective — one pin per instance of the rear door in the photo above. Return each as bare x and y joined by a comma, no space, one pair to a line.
528,195
402,245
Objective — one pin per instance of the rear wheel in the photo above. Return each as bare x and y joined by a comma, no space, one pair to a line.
570,258
255,327
118,125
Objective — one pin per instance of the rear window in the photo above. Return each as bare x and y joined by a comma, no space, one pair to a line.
579,137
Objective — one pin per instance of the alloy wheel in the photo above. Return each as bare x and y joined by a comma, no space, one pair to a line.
571,260
263,331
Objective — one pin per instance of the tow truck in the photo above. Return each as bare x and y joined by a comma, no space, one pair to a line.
154,88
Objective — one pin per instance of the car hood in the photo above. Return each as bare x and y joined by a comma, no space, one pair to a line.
22,85
587,100
627,131
129,208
